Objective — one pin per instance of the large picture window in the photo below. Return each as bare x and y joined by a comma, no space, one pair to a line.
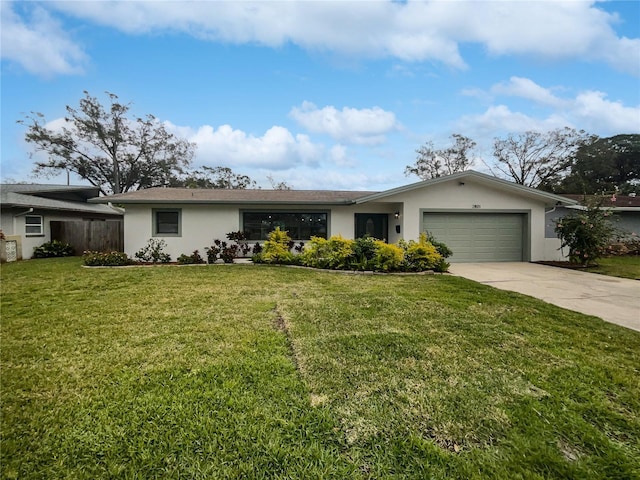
300,225
166,222
33,225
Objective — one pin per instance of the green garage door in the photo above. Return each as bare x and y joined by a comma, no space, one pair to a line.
479,237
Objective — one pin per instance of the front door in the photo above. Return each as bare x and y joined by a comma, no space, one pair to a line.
373,225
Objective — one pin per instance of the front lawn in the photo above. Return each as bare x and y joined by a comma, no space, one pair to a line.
626,266
271,372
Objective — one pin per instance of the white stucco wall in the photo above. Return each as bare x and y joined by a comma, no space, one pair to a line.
201,224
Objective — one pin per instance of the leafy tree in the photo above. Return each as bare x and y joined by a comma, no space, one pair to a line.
534,158
434,163
212,177
605,165
108,148
587,234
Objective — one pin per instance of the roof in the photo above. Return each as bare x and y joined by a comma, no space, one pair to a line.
548,198
26,196
318,197
39,188
201,195
613,201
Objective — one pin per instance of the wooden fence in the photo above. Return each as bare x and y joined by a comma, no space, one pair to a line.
96,235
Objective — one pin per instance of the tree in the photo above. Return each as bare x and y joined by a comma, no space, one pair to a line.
535,159
278,185
212,177
108,148
587,233
606,165
434,163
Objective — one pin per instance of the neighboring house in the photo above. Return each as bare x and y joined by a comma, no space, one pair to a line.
482,218
27,210
625,210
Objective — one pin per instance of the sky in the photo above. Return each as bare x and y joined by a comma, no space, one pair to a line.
323,94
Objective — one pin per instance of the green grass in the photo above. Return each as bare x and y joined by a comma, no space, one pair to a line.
627,266
272,372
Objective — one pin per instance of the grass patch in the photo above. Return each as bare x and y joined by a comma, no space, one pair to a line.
270,372
626,266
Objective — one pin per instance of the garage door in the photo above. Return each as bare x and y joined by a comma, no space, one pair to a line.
479,237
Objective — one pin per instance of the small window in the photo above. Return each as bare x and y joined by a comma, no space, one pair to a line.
166,223
33,225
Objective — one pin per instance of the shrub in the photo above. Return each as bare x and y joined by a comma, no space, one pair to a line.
586,233
442,249
193,259
276,248
152,252
335,253
227,252
388,257
54,248
106,259
421,255
441,266
213,252
364,250
241,241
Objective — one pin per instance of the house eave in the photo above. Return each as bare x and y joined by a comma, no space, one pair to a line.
549,198
217,202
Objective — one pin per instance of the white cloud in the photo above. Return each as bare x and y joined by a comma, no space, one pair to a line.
276,149
594,109
409,31
589,110
349,125
40,46
528,89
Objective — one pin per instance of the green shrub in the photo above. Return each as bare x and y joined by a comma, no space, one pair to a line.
586,233
106,259
441,266
364,250
388,257
152,252
193,259
276,248
335,253
443,249
421,255
315,252
54,248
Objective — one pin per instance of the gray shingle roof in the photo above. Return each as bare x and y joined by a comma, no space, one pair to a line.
26,196
195,195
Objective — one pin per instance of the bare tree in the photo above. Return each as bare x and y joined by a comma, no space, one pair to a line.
534,158
433,163
108,148
278,185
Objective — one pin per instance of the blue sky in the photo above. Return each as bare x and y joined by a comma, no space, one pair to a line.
325,94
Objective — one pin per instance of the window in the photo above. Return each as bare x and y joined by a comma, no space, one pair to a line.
33,225
166,222
300,225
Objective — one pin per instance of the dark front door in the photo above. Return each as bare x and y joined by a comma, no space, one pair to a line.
373,225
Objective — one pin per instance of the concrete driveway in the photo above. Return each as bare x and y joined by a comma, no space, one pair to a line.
615,300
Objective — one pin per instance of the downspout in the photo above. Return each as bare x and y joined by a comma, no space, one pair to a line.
117,209
20,215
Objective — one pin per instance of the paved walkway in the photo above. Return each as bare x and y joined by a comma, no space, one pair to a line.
615,300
